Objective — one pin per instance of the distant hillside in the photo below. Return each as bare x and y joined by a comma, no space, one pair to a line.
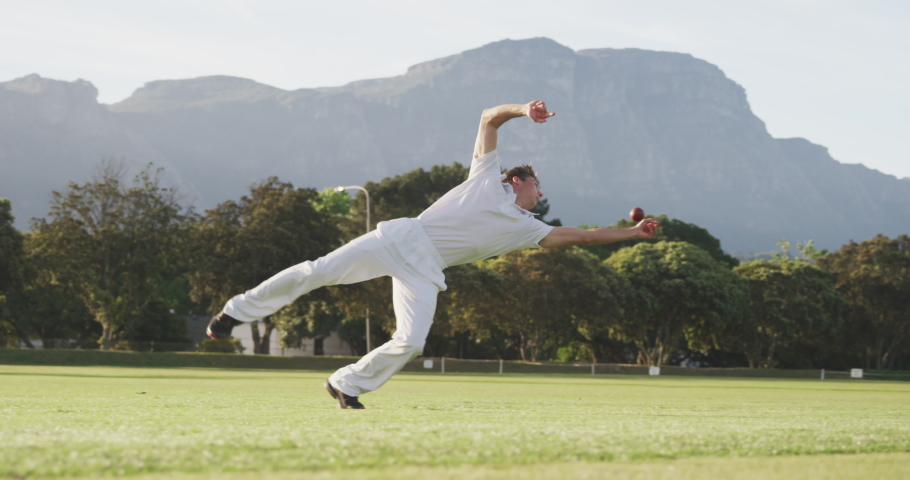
664,131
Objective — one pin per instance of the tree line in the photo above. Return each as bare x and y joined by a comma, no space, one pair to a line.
118,261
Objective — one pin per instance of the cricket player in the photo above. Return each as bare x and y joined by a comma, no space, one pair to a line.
487,215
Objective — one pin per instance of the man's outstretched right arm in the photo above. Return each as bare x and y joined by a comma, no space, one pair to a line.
493,118
564,236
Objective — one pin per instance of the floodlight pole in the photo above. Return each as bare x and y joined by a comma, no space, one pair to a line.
367,193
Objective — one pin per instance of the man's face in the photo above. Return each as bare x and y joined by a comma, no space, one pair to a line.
527,192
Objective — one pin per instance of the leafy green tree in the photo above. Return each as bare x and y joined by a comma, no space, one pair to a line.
462,326
30,305
52,313
333,202
404,196
874,278
670,230
316,319
114,246
12,278
177,298
682,293
807,251
353,302
12,263
788,301
340,309
241,244
550,294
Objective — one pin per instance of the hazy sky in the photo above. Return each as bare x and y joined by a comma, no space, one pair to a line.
835,72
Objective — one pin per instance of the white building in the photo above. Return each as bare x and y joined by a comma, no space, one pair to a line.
331,345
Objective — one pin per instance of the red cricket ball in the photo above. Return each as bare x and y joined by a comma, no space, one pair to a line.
637,214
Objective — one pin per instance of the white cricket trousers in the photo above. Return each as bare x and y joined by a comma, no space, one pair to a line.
400,249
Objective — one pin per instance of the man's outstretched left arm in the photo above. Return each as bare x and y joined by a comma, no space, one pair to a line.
563,236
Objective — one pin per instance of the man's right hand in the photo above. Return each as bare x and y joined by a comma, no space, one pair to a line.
493,118
537,111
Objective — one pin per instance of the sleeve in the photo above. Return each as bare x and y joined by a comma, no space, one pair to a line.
486,165
536,231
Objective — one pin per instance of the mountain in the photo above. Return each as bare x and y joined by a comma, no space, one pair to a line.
664,131
54,132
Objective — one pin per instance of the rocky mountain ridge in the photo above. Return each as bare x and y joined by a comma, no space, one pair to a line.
664,131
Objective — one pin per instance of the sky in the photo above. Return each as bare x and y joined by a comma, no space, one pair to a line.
834,72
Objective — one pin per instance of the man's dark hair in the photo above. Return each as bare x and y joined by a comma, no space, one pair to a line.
523,172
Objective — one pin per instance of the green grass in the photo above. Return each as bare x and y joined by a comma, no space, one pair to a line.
203,423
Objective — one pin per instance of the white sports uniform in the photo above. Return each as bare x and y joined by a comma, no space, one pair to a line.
477,219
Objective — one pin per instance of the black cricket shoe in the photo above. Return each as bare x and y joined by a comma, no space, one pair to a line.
221,326
344,400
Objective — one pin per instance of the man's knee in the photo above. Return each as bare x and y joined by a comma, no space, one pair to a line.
410,346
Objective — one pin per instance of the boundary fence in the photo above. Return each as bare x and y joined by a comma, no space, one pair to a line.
440,365
860,373
455,365
130,346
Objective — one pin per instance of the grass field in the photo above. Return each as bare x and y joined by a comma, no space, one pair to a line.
213,423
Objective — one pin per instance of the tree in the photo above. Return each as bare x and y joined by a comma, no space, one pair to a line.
316,319
788,301
406,195
874,278
807,251
339,309
548,295
682,293
29,304
671,230
241,244
12,278
333,202
464,315
51,312
114,246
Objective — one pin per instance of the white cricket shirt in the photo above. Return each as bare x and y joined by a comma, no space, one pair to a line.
479,218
